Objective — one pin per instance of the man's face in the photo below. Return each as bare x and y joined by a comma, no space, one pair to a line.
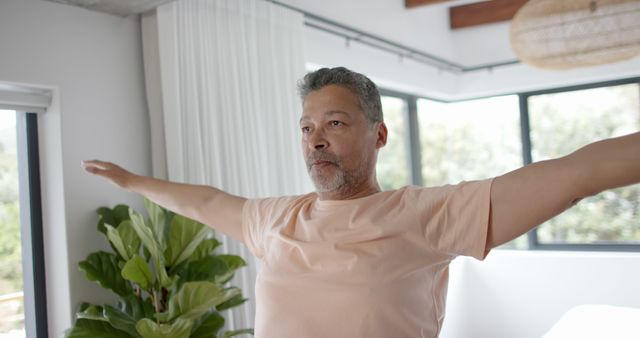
338,142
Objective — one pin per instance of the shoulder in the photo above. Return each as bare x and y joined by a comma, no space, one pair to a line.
274,204
459,190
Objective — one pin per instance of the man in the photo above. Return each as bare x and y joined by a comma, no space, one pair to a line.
351,261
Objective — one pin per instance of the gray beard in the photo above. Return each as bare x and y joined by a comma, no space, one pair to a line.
328,184
341,181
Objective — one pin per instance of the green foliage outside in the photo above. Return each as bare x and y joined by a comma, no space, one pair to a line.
392,169
10,248
469,140
10,255
564,122
169,281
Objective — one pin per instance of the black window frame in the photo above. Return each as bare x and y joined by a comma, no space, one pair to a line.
413,144
37,233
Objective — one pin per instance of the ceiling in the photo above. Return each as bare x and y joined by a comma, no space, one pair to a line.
115,7
461,15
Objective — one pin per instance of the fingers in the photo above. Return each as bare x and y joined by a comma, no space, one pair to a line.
96,164
98,167
108,170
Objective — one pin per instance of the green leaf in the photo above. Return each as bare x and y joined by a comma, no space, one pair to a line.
157,220
161,274
162,317
116,241
208,326
91,312
129,237
103,268
121,320
179,329
229,293
146,235
196,298
136,307
185,235
228,334
206,248
105,215
233,263
205,269
146,253
113,216
138,271
121,213
233,302
85,328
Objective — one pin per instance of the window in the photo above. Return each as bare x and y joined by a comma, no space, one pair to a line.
469,140
563,122
22,300
393,159
481,138
11,290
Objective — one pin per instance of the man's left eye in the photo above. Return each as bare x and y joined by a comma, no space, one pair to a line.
336,123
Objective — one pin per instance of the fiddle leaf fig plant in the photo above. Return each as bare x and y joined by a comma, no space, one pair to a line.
169,281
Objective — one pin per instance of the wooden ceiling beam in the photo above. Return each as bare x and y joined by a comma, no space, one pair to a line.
480,13
416,3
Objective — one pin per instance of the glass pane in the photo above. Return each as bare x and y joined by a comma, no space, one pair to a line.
11,302
470,140
564,122
393,159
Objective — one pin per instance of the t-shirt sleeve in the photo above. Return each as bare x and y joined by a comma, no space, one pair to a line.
259,216
253,225
454,219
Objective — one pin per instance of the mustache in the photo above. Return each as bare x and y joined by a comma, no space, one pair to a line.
321,156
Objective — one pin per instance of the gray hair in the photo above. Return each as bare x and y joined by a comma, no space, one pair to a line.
360,85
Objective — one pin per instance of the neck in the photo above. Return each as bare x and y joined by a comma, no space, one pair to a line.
351,192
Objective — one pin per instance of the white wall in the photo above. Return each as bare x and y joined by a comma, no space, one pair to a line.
523,293
94,63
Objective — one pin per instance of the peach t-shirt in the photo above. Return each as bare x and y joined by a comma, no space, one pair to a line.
370,267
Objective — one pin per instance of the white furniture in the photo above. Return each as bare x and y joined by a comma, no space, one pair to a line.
597,321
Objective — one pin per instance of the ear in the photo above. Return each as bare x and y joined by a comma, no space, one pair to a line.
382,135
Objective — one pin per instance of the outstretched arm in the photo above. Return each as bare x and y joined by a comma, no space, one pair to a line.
204,204
524,198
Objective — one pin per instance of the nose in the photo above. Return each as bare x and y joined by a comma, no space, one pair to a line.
317,141
321,144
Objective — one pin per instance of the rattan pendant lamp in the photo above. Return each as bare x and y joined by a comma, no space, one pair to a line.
564,34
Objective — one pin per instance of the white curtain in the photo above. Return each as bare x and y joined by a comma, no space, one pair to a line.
221,84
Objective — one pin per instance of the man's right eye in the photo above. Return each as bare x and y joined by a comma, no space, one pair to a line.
305,130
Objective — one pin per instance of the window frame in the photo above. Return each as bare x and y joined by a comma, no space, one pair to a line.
413,143
532,236
36,222
412,139
31,223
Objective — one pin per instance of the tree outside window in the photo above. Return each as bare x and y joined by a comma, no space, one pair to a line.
563,122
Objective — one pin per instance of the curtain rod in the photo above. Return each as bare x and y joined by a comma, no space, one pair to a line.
371,40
